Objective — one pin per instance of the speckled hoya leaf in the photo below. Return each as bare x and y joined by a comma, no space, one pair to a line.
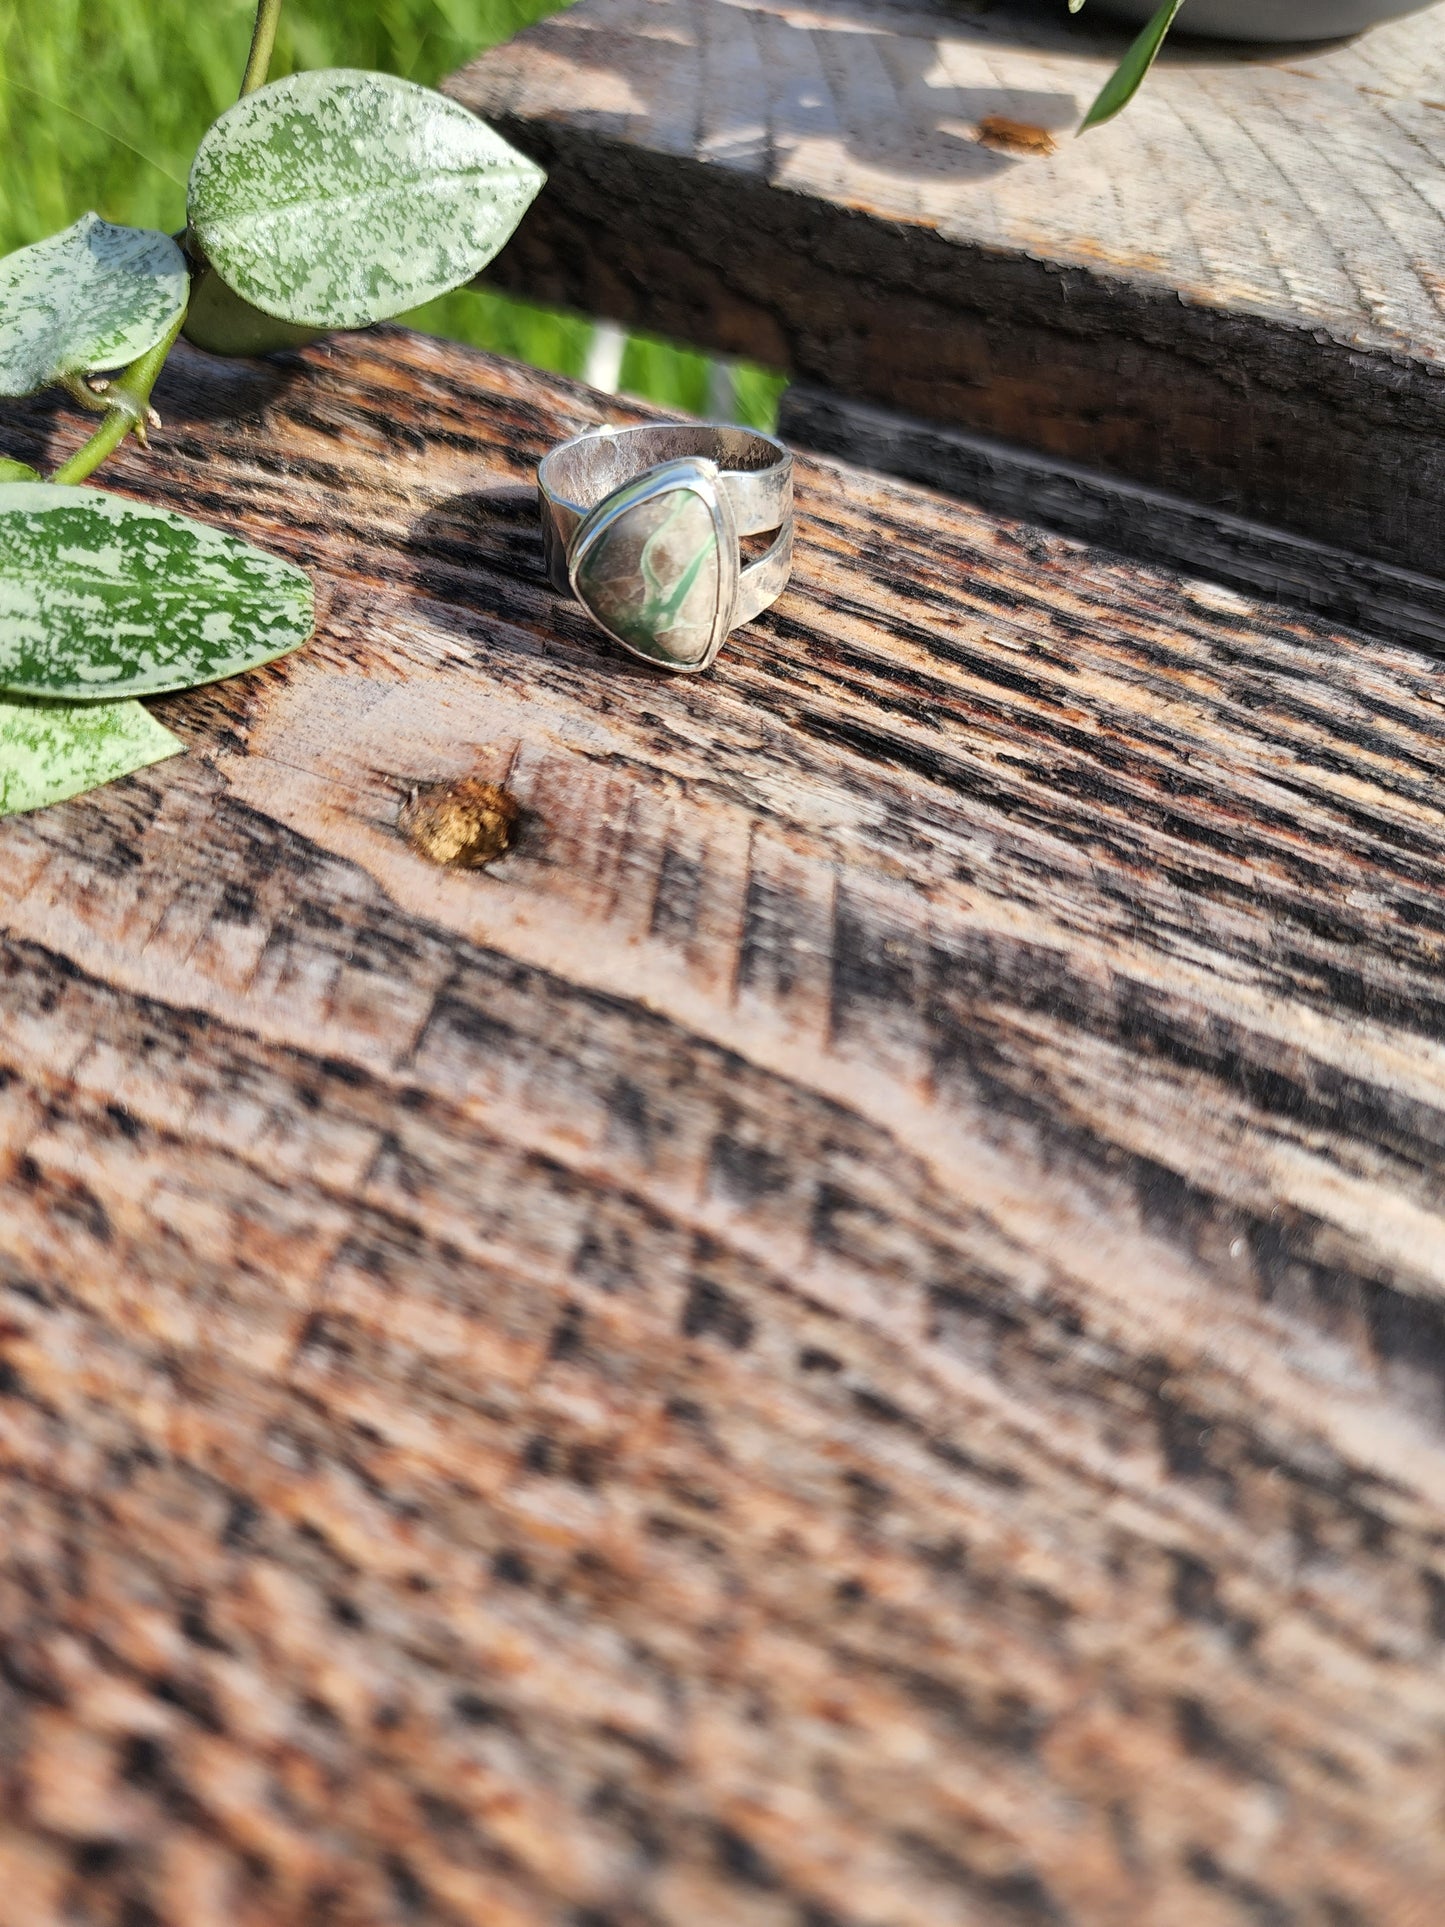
49,751
95,296
104,597
335,199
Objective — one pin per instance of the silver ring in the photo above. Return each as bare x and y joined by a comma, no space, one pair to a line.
643,526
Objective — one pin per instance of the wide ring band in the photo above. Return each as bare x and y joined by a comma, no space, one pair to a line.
643,526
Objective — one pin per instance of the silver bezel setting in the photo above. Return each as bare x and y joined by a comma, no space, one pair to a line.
699,475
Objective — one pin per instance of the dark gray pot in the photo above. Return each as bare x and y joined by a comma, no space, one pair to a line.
1267,19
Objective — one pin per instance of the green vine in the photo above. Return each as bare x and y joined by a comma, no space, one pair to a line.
263,45
126,400
128,411
393,195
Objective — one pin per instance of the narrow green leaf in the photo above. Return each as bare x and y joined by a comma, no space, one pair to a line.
1129,76
101,597
49,751
17,471
338,198
95,296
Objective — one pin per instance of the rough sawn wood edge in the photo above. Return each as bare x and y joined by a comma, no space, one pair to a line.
1134,521
1297,422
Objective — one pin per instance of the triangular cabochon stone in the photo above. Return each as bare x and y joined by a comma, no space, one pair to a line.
653,577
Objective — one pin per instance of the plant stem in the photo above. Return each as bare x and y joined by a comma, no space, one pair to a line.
263,42
83,395
127,399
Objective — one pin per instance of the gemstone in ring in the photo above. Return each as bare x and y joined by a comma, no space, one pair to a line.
643,525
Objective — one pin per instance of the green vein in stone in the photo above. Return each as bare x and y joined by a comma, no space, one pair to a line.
651,575
665,609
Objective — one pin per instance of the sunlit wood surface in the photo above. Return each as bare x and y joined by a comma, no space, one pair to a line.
1235,292
851,1335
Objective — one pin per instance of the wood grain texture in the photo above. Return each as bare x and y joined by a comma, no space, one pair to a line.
850,1335
1235,292
1143,523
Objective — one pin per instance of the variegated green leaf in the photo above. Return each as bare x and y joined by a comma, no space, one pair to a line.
11,471
219,321
95,296
49,751
104,597
335,199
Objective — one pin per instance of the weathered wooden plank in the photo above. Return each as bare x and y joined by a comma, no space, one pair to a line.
854,1332
1134,521
1233,293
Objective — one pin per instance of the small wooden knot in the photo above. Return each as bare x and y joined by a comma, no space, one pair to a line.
1015,136
464,824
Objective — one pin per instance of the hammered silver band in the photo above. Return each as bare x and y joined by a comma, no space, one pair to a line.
643,526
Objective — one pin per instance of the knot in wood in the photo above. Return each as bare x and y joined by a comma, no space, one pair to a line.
464,824
1015,136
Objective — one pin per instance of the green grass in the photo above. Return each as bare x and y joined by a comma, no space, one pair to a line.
102,103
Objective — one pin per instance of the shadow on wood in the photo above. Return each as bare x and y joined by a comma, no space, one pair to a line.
1233,293
852,1331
